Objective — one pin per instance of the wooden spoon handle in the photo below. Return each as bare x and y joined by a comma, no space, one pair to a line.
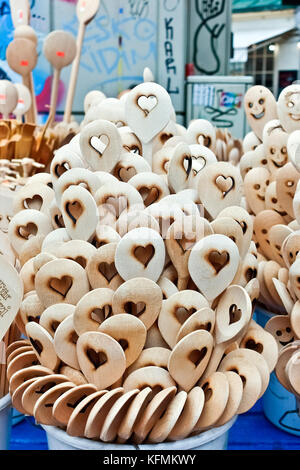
182,283
32,112
54,92
74,74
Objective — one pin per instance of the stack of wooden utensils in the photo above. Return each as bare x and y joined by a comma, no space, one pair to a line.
21,136
137,281
26,147
270,168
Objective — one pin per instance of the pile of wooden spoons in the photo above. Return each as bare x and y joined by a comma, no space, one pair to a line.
139,275
28,139
270,174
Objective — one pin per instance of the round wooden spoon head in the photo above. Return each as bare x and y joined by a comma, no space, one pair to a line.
8,98
21,56
27,32
59,49
24,100
86,10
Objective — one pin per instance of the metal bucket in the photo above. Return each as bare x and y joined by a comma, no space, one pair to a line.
214,439
5,422
279,406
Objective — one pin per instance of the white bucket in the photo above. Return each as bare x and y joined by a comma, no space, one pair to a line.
214,439
279,405
5,422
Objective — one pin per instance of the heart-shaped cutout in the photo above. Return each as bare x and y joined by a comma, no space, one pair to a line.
100,143
144,254
147,103
218,259
27,231
234,314
74,210
108,270
61,169
182,313
135,309
149,195
96,358
125,174
62,285
197,355
198,164
34,203
100,314
225,184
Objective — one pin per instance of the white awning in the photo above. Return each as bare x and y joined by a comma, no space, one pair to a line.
244,39
253,29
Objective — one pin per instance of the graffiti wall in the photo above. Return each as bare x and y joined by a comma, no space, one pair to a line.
209,40
124,38
119,43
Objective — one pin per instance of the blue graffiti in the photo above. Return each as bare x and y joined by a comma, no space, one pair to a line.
105,58
6,34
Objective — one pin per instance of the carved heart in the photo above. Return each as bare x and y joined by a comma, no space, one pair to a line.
149,195
108,270
198,164
61,286
147,103
100,143
135,309
225,184
204,140
234,314
250,274
61,169
197,355
126,173
80,260
74,210
251,344
187,164
33,203
182,314
100,314
27,231
218,260
97,358
144,254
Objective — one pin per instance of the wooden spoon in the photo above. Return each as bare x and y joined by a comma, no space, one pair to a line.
21,56
85,11
60,50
